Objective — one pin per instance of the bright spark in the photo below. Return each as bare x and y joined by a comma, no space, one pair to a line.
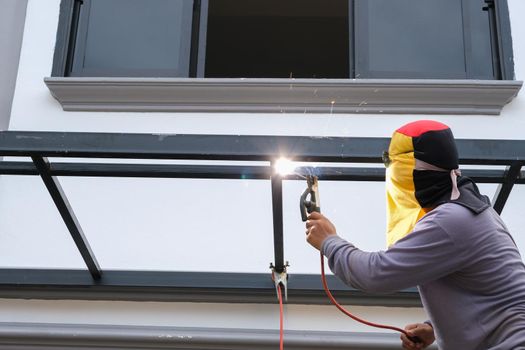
284,166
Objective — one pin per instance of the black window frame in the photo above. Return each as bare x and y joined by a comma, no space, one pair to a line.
68,30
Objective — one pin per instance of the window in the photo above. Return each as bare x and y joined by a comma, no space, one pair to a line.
423,39
431,39
277,39
132,37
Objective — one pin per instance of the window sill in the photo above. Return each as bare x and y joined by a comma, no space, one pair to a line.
283,95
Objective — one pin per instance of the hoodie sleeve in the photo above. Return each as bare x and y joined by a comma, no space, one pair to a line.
426,254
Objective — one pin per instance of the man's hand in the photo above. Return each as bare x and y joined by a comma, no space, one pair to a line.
423,331
318,228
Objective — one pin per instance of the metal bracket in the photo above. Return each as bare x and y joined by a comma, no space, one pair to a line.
280,278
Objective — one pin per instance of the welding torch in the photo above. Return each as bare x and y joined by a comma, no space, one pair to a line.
309,201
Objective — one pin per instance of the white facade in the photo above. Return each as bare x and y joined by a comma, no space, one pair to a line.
177,225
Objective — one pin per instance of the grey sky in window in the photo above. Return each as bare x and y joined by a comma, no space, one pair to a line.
417,35
422,39
135,35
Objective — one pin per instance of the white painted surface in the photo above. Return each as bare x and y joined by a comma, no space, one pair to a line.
12,15
194,225
297,317
35,109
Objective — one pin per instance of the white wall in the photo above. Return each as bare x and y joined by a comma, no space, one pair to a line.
35,109
12,16
140,224
255,316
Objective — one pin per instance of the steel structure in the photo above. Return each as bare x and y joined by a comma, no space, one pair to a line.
217,287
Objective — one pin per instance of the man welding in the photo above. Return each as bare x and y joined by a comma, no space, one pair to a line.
444,237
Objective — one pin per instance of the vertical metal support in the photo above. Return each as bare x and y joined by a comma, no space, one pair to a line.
502,193
63,206
72,38
277,208
351,38
194,47
198,38
494,36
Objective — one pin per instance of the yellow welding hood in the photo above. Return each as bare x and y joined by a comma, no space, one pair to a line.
421,142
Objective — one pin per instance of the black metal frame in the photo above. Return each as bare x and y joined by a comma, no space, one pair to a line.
140,285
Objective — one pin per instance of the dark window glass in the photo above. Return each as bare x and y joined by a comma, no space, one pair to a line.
134,38
277,39
421,39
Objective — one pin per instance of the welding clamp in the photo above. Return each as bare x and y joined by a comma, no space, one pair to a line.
280,278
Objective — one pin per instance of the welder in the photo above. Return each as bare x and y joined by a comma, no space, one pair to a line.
443,237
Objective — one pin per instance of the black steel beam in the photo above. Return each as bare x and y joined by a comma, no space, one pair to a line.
140,170
186,286
223,172
277,212
17,168
503,191
232,147
65,210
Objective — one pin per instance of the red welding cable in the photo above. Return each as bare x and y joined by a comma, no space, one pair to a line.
343,310
281,318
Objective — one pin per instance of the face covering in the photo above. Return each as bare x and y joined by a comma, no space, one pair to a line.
422,173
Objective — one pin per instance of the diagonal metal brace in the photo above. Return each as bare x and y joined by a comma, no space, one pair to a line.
65,210
512,175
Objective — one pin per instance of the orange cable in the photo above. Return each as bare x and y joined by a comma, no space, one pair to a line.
281,317
343,310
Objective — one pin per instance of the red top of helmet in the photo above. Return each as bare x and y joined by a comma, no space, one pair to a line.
420,127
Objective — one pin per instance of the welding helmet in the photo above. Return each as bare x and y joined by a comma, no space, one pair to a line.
422,173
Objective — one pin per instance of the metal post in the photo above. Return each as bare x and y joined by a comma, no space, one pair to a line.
277,208
65,210
494,43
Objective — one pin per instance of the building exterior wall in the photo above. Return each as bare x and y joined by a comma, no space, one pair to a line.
140,224
12,19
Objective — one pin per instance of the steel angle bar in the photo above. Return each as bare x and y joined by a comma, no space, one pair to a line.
235,147
17,168
503,190
224,172
186,287
210,147
65,210
140,170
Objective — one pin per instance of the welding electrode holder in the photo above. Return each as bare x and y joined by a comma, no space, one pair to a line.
309,201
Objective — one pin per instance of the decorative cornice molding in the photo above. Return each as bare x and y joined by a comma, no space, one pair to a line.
283,95
38,336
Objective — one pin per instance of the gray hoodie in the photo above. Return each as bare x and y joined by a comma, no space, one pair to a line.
468,270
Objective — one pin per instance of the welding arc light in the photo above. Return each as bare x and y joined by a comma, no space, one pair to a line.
284,166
